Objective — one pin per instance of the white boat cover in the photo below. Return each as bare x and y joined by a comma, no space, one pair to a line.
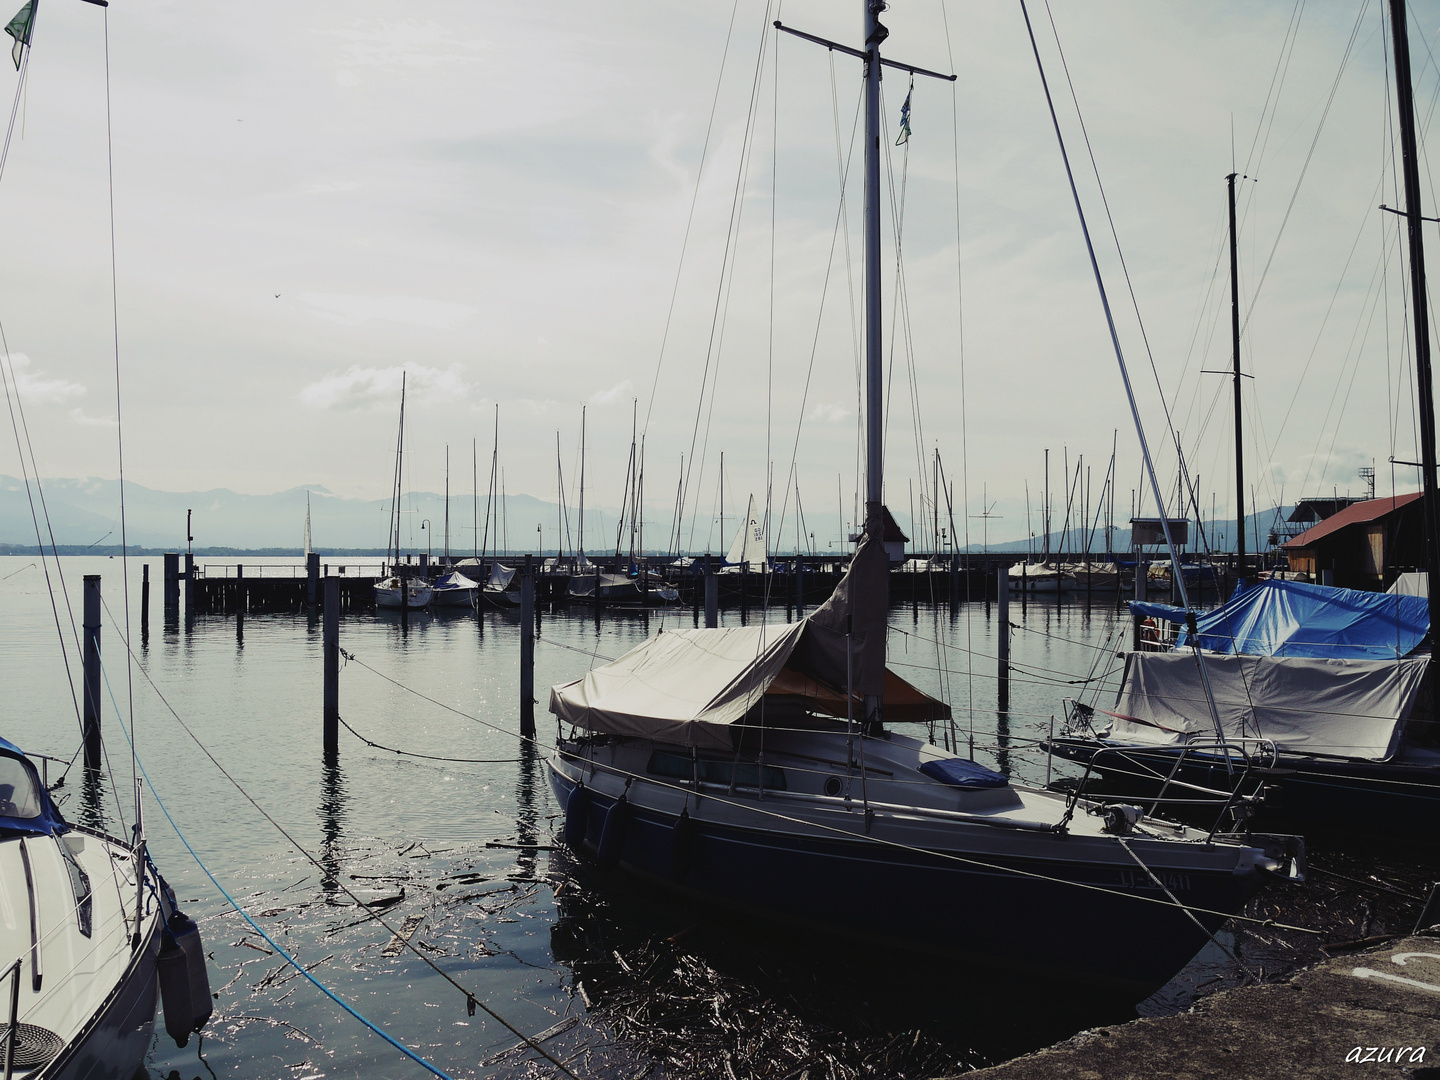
453,581
1305,705
686,686
1413,583
500,576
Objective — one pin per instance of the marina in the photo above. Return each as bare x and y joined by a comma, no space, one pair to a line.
725,783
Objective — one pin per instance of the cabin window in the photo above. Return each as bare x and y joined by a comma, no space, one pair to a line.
80,886
746,774
18,795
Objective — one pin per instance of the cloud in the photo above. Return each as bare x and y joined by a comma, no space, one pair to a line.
410,43
334,186
34,388
412,310
621,391
371,387
829,412
79,416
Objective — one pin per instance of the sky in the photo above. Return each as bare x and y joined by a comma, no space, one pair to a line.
534,209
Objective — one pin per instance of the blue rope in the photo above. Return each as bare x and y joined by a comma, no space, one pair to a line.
245,915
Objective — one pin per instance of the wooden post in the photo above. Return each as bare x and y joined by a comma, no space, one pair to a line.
1002,611
239,595
172,585
527,650
91,676
744,590
189,586
712,596
799,588
145,600
312,580
331,654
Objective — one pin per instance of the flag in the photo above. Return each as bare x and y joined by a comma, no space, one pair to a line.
19,29
905,117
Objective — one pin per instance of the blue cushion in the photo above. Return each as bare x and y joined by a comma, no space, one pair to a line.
963,774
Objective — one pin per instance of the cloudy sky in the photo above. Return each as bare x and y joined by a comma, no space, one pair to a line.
501,200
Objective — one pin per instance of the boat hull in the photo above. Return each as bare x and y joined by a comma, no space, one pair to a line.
415,597
1391,800
114,1044
1118,940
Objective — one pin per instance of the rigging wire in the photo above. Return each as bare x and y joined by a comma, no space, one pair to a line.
471,998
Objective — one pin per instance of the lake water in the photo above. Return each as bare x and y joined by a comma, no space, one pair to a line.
459,831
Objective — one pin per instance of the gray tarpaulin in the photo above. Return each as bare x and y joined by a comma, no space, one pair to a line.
1307,705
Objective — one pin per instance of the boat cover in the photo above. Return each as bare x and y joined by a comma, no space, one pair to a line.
27,805
687,686
500,576
452,581
1306,705
1291,618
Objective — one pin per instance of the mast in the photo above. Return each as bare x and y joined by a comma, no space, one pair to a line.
875,34
1405,103
1235,351
475,499
581,529
447,506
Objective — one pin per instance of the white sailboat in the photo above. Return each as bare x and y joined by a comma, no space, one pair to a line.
398,589
89,934
748,547
752,767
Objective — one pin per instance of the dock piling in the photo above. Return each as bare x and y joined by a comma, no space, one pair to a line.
145,600
1002,611
189,576
312,579
172,586
91,676
712,596
527,650
331,654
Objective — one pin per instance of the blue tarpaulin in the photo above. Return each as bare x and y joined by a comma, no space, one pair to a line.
1290,618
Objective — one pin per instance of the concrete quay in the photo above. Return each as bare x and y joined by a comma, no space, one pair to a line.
1364,1014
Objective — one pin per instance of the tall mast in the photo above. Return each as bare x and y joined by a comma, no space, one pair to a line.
447,505
581,530
1406,104
1235,353
875,34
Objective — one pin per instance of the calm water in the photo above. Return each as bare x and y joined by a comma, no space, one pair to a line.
465,847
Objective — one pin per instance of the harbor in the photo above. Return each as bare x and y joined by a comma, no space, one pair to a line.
554,945
798,697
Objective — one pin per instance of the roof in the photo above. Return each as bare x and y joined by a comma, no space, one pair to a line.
893,535
1360,513
1320,509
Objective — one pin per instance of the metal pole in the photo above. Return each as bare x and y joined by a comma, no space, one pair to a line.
1235,348
527,649
189,585
91,678
1002,611
331,654
145,599
1420,307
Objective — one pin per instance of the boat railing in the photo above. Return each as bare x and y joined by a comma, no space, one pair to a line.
1237,759
12,1030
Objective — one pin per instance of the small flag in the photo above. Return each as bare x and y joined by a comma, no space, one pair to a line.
19,29
905,117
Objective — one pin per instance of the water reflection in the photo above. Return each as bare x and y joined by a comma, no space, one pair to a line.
528,789
333,812
92,799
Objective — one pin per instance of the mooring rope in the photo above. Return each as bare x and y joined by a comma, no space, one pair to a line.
472,1002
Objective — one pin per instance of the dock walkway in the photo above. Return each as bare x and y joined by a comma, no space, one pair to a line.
1365,1014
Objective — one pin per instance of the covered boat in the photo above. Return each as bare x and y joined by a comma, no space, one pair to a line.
453,590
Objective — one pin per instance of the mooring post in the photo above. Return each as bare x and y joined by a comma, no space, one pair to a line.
172,585
312,579
91,677
799,588
712,596
239,592
527,650
145,599
744,590
189,586
331,653
1002,611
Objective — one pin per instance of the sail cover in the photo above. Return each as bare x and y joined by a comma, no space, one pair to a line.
1306,705
687,686
1291,618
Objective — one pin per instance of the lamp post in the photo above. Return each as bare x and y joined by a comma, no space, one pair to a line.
425,528
539,540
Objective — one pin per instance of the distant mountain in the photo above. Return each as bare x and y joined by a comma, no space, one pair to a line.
86,512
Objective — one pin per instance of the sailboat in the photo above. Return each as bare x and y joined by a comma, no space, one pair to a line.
88,928
752,767
451,589
398,589
1327,692
747,550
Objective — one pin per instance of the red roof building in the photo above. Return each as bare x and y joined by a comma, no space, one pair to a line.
1364,546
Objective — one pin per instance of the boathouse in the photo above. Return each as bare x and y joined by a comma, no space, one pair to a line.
1364,546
